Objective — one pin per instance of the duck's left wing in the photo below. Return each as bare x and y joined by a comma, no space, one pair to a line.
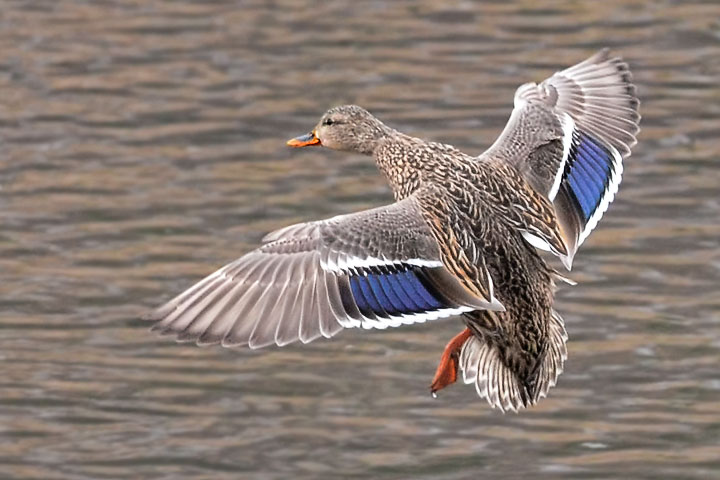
567,136
372,269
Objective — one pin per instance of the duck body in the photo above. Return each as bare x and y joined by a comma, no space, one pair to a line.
487,204
460,239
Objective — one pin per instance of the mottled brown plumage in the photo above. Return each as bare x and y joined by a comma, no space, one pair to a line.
460,239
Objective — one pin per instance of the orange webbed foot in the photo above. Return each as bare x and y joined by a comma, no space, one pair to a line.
446,373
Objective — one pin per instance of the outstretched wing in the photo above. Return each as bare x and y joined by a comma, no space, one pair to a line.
568,136
372,269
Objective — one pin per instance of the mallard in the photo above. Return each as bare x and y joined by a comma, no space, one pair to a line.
461,239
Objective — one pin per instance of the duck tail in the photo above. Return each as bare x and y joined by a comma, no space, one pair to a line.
482,365
552,363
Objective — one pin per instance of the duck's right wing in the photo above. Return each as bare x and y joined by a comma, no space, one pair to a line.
372,269
568,135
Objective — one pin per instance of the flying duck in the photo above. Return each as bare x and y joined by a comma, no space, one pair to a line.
461,239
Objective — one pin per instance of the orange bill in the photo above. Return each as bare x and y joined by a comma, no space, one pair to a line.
304,140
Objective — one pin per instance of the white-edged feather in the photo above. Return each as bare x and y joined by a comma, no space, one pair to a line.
568,126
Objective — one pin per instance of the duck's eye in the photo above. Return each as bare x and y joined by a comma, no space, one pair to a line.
328,121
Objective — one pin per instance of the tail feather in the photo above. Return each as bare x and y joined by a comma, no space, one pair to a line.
555,355
482,365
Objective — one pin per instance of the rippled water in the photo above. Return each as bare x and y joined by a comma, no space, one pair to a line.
142,145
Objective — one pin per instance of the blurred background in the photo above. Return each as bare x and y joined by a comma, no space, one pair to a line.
142,146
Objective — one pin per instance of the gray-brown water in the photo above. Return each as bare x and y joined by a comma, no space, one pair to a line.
142,146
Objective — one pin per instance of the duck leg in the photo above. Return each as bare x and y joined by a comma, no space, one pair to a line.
446,372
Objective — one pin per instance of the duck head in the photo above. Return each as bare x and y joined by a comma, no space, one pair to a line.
347,128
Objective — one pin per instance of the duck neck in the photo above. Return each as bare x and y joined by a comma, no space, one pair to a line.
395,157
376,136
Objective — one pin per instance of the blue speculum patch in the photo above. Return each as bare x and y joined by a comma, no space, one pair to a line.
588,172
393,293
